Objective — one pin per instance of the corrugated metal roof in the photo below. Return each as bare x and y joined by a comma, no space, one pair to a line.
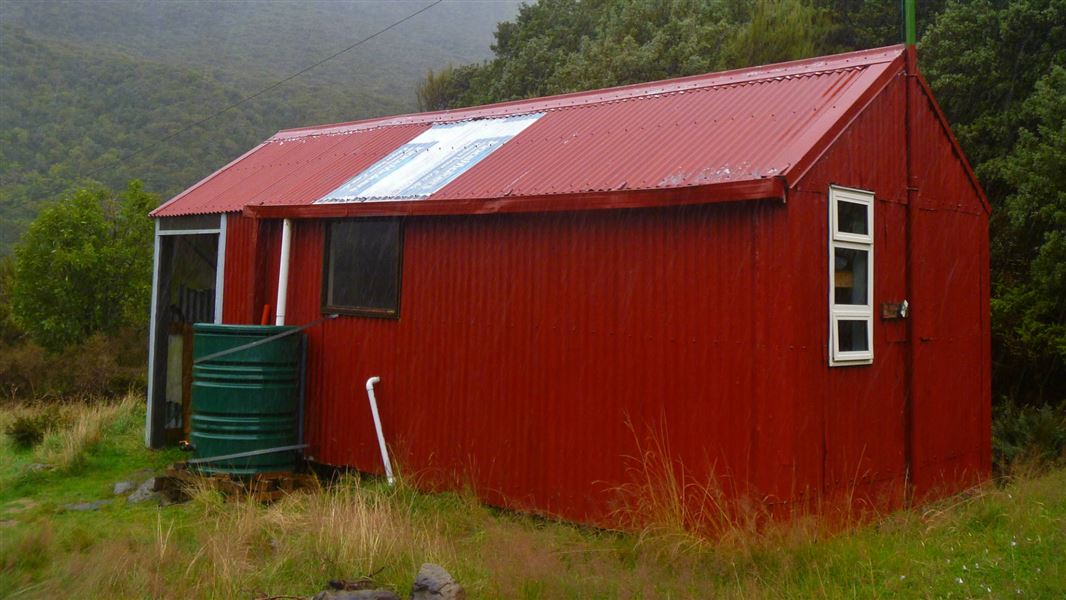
702,131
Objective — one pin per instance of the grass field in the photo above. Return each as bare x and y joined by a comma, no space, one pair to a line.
997,542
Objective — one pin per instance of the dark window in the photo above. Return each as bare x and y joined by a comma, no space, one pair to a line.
362,271
852,335
853,218
849,277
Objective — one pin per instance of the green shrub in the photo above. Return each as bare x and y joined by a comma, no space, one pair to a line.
99,366
26,431
1028,433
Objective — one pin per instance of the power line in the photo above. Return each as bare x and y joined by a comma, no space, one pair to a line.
269,87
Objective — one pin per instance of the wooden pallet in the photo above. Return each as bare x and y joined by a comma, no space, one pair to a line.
179,478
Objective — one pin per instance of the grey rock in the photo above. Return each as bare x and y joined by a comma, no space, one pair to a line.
381,594
145,491
37,467
87,506
122,487
434,583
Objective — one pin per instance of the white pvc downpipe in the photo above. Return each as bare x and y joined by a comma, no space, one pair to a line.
283,271
220,269
377,426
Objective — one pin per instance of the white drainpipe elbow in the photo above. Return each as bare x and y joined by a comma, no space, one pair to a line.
377,426
370,383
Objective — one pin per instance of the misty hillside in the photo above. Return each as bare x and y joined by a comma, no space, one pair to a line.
84,83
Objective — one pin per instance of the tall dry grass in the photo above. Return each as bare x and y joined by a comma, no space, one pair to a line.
65,447
347,531
212,548
675,512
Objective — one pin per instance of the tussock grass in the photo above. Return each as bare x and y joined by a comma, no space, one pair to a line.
346,531
675,512
80,427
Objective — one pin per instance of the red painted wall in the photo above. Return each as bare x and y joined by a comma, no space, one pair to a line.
534,350
526,344
863,431
952,374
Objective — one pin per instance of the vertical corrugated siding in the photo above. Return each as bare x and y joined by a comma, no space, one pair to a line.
527,343
863,427
241,271
952,388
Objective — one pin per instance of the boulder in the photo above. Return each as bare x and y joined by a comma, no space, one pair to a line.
122,487
145,491
434,583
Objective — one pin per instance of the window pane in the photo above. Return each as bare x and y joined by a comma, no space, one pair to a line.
852,336
364,265
852,218
850,273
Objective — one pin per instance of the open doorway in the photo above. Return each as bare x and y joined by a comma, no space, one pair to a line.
187,282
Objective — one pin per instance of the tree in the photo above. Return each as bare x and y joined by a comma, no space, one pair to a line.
9,331
1029,309
439,87
997,70
558,46
860,24
777,31
84,266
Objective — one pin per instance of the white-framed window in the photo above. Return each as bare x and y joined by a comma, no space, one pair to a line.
851,276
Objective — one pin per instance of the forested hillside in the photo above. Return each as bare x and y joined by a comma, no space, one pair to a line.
71,112
272,39
83,84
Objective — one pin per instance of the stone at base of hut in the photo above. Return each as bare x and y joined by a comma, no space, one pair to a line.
131,483
434,583
356,595
146,491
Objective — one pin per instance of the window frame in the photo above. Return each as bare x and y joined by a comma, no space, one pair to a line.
853,241
354,311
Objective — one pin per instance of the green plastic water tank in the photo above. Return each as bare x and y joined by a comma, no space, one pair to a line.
247,400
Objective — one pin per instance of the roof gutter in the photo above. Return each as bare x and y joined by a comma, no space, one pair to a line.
770,188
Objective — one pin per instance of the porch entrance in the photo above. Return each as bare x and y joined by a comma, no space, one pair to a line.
186,289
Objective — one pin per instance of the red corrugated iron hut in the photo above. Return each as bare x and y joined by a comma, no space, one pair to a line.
780,271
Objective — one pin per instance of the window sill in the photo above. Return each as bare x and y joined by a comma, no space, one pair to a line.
361,312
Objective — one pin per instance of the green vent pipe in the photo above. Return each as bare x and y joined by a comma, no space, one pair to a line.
910,26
